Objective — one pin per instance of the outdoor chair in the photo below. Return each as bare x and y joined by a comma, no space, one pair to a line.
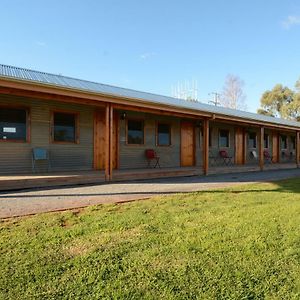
151,155
40,155
253,155
292,155
227,160
268,158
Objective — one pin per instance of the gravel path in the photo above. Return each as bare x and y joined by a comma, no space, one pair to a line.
26,202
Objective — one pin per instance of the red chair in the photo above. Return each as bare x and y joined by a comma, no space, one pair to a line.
267,156
152,155
227,160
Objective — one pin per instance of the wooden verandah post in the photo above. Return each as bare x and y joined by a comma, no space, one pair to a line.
111,127
298,149
107,109
108,141
205,146
261,148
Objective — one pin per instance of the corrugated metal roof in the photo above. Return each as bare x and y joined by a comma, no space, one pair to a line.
84,85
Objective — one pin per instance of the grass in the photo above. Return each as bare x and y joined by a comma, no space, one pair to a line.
238,243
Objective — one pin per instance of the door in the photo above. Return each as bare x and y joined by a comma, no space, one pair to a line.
239,146
187,144
99,141
275,147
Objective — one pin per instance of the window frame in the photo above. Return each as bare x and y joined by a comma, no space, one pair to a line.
156,134
293,142
126,131
268,141
77,133
28,124
286,142
252,132
228,138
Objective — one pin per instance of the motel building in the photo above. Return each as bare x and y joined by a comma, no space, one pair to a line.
57,130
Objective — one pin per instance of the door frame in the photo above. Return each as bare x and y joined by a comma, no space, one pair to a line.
99,151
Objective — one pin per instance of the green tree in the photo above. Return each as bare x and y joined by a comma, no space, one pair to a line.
278,102
292,109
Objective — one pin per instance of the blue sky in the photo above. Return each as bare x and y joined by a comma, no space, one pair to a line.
152,45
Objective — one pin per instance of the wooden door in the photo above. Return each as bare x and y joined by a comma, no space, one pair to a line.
240,146
275,147
99,140
187,144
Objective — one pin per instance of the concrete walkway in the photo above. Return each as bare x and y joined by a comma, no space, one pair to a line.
34,201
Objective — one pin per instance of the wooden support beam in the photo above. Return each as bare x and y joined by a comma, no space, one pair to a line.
107,148
111,136
205,146
261,148
49,96
298,149
278,148
156,111
245,150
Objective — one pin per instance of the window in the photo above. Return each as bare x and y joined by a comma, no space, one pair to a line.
252,140
293,143
283,142
13,124
65,127
224,138
266,141
163,134
210,137
135,132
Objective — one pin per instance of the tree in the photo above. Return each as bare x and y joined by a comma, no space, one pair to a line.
280,102
233,95
292,110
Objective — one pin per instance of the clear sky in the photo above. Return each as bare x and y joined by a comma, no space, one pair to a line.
152,45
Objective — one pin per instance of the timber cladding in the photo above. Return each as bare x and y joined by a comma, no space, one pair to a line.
133,156
16,157
214,138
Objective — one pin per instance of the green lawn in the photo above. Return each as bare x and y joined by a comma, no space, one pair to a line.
239,243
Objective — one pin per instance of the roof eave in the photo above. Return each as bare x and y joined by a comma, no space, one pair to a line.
34,86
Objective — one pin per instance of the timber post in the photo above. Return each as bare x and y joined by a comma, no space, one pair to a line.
111,129
298,149
107,143
205,129
261,148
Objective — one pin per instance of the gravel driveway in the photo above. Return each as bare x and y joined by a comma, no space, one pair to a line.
26,202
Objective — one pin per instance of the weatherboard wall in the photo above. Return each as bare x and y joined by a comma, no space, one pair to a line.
16,157
215,148
133,156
